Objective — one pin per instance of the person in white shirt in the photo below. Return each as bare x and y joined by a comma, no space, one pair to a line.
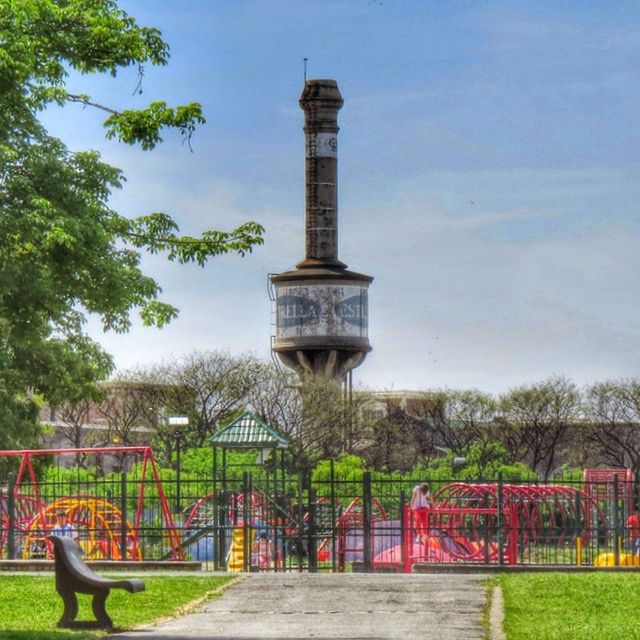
420,505
63,529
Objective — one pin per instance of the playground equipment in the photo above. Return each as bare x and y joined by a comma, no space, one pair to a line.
490,523
201,513
350,525
240,549
206,519
543,512
605,484
98,523
33,518
471,523
609,560
609,487
125,517
24,508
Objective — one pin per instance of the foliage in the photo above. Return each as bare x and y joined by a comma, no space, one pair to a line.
347,467
30,606
64,253
69,475
569,474
198,462
554,606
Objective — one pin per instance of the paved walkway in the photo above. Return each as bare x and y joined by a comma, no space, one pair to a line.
327,607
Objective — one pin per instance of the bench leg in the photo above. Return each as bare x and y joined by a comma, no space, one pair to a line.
70,608
100,611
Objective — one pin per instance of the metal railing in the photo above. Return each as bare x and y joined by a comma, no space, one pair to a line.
331,525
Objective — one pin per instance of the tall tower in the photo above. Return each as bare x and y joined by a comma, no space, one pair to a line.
321,307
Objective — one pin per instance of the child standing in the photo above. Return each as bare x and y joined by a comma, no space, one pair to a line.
262,552
420,505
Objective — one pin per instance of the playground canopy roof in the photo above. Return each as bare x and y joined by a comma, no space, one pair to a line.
249,432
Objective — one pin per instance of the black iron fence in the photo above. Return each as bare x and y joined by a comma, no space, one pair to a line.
332,525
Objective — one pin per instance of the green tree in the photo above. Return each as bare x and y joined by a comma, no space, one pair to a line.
64,253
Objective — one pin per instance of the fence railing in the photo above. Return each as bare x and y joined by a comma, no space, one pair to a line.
331,525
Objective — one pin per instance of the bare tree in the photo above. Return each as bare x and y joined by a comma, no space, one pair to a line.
614,416
536,421
313,413
73,418
157,398
124,411
276,399
393,440
452,419
219,385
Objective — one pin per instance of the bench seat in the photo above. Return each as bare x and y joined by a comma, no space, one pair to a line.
74,576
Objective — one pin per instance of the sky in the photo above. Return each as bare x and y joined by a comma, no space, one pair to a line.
488,179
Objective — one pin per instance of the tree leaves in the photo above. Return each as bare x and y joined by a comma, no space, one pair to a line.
64,253
143,126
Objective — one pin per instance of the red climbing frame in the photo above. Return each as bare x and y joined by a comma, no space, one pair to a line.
509,515
555,505
599,485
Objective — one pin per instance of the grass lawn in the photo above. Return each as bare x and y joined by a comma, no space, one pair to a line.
30,606
558,606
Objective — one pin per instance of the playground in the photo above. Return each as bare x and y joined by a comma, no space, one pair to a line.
282,522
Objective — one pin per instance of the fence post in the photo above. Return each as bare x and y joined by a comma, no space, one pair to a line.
215,503
333,515
578,531
616,524
499,521
485,520
246,509
409,535
512,553
11,513
403,529
123,510
218,548
311,530
300,527
366,520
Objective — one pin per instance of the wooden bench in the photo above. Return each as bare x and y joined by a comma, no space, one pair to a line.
74,576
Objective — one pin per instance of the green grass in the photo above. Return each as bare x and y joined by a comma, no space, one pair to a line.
557,606
30,607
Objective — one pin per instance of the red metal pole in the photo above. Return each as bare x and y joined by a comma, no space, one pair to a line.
408,538
141,493
23,464
49,452
174,538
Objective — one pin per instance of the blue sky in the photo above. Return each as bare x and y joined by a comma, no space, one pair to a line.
488,178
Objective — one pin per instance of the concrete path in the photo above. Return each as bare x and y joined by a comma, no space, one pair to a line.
327,607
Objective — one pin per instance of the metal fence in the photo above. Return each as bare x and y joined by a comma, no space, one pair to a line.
334,525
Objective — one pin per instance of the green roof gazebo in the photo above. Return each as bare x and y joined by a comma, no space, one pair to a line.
245,433
248,432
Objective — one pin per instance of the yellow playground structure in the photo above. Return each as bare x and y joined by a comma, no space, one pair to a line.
99,527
